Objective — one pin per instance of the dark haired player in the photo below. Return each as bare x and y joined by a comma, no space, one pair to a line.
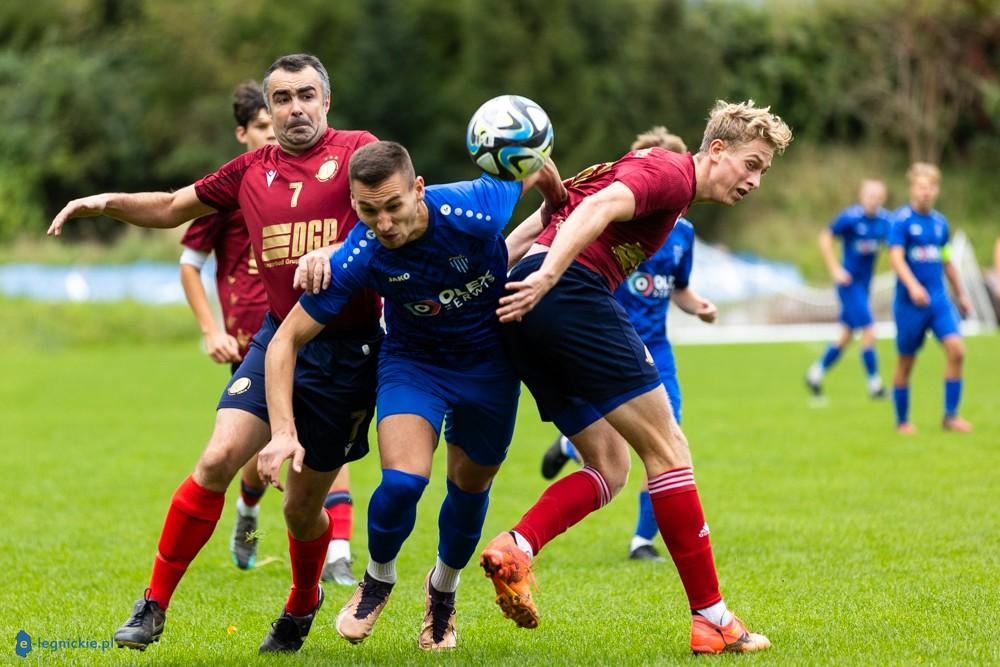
244,305
294,198
437,256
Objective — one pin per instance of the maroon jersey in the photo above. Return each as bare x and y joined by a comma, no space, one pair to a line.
241,292
293,204
663,185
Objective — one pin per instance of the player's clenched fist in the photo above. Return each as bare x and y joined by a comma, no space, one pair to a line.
269,460
79,208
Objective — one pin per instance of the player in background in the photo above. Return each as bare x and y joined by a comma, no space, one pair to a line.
918,251
862,227
294,198
437,256
244,305
646,296
572,344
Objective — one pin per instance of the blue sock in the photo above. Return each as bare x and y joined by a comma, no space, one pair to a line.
952,395
830,356
569,450
392,513
460,525
901,401
646,527
870,361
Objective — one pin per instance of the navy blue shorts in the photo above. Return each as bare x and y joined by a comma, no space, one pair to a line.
912,323
577,350
477,401
334,393
855,312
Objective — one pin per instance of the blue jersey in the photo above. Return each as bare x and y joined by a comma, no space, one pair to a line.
645,294
923,237
441,291
862,235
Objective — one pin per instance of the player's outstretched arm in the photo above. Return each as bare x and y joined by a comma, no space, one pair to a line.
837,272
219,345
961,296
614,203
897,259
520,239
158,210
693,303
296,330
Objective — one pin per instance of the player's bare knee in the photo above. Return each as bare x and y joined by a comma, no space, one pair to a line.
218,465
300,518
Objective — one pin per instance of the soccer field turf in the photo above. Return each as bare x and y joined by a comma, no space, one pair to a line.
840,540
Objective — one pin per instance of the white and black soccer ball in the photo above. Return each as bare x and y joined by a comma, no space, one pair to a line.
509,137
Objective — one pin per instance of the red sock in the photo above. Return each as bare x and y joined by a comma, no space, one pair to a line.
191,519
563,504
682,525
307,559
341,508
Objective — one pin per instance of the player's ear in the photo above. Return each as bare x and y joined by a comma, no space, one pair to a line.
418,185
241,135
715,149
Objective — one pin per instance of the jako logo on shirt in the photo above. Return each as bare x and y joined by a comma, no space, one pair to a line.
284,243
451,298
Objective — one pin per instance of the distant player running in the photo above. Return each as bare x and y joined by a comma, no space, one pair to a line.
646,296
918,251
294,198
244,305
862,227
437,256
588,370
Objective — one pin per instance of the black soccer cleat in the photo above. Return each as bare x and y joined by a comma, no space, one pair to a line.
553,460
646,552
288,632
815,388
143,627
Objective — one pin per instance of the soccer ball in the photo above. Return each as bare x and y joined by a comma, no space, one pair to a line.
509,137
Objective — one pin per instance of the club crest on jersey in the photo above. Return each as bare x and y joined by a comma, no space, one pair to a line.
328,169
270,176
239,386
460,263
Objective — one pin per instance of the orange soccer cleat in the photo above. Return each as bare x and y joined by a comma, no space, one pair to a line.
707,637
510,570
906,428
956,424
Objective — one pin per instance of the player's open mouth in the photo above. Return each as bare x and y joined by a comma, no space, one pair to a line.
741,192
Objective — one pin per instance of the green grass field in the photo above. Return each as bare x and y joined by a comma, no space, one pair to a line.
843,542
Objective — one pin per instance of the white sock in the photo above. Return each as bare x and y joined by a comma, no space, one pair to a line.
874,383
444,579
522,544
637,542
815,372
338,549
717,613
384,572
244,510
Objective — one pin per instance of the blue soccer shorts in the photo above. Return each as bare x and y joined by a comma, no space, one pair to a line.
333,396
912,323
855,313
576,350
476,400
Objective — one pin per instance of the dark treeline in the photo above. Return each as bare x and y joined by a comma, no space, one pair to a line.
134,94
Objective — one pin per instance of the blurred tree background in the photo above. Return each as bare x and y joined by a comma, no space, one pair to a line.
132,95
